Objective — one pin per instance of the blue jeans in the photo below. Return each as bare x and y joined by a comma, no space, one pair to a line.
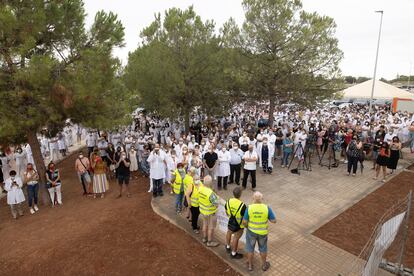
252,238
157,186
285,158
32,192
179,201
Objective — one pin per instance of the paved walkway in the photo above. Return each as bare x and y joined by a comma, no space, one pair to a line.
302,204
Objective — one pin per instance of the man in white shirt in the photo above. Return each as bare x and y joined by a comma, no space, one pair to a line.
236,156
90,143
250,158
157,163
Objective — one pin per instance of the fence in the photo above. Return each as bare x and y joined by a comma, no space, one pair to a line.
387,242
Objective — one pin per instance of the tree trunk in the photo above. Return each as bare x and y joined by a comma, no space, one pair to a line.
271,111
40,165
187,121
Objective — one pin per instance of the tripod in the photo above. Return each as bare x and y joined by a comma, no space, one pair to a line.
331,154
301,156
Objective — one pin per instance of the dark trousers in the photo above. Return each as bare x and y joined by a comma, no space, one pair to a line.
352,164
235,173
157,186
246,175
90,150
195,212
83,184
221,179
32,192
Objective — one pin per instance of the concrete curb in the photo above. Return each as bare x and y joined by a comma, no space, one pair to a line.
215,250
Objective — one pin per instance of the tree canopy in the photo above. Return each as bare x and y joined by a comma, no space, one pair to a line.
289,55
179,66
52,68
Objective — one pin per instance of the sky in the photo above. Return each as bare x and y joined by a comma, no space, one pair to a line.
357,27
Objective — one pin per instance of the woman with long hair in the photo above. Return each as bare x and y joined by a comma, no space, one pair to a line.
382,160
395,148
100,183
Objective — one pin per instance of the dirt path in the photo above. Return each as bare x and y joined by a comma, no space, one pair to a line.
352,229
100,237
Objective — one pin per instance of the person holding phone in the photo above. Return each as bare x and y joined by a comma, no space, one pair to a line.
13,186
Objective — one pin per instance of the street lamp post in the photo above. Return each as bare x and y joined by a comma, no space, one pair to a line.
376,61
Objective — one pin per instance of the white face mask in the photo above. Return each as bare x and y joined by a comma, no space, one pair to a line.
235,147
80,156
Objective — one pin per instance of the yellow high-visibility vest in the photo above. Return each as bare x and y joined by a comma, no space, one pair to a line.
188,180
178,182
195,195
258,217
233,204
206,207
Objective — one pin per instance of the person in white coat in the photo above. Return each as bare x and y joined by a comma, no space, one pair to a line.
223,168
13,186
266,151
21,161
157,164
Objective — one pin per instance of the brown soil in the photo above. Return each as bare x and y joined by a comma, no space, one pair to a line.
100,237
352,229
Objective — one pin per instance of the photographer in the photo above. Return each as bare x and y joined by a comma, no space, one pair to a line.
13,186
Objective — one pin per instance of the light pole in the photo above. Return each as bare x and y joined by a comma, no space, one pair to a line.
376,60
409,77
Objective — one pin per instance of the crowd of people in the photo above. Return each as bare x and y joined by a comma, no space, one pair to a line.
215,153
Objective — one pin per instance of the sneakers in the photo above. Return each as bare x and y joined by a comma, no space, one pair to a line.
196,231
212,244
228,249
36,208
32,211
236,256
204,240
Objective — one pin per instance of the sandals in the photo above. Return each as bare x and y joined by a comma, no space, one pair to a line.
266,266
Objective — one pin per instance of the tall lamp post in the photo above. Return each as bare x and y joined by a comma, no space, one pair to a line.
376,60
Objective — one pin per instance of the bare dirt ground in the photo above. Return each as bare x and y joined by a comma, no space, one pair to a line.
106,236
352,229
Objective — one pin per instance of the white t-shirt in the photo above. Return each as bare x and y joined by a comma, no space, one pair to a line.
250,165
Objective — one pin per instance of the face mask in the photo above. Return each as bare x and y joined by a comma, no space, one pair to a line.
80,156
180,143
235,147
12,178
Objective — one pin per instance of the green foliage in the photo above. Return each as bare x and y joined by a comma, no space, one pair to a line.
362,79
287,54
179,66
52,69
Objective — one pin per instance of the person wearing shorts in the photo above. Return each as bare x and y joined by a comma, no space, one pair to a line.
256,220
208,202
123,173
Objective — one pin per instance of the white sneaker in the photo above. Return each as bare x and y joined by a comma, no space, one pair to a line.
36,208
32,211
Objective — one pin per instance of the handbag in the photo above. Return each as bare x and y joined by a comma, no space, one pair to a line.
233,225
87,171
